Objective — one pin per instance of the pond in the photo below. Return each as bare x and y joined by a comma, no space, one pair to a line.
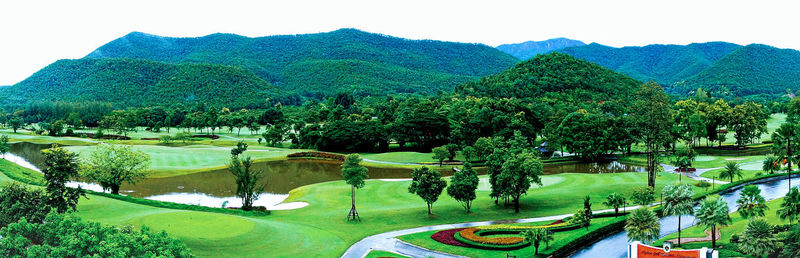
216,187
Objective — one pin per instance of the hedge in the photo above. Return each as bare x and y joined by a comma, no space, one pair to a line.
589,237
316,154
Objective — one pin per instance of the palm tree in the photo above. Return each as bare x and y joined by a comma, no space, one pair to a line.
678,201
771,164
751,203
757,239
782,145
642,225
712,213
790,208
731,169
536,236
615,201
792,247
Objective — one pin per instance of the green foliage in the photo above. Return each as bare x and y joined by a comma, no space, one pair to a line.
463,185
654,110
643,196
791,246
517,174
16,123
678,201
57,238
59,167
353,172
587,206
790,207
751,203
248,187
4,147
732,168
529,49
536,236
771,164
758,239
138,83
665,64
615,201
713,213
581,218
440,153
427,184
110,165
18,201
642,225
749,122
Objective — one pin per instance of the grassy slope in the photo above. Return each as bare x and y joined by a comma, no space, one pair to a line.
384,206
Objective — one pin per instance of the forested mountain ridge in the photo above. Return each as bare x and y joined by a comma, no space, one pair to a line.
556,76
374,64
140,83
665,64
753,69
529,49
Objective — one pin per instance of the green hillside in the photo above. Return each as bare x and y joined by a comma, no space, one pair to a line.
529,49
323,63
137,83
665,64
750,70
558,76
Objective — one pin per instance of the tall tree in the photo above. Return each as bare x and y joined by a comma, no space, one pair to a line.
248,187
463,185
518,172
751,203
748,121
60,166
427,184
713,213
785,142
642,225
354,174
16,123
655,115
790,207
110,165
678,202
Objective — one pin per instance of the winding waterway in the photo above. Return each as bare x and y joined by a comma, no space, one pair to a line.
616,245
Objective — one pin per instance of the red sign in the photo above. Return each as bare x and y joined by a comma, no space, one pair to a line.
644,251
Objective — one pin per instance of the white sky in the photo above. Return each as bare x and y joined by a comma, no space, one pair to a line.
34,34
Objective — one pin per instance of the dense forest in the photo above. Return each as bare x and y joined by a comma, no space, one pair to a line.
665,64
138,83
319,64
750,70
529,49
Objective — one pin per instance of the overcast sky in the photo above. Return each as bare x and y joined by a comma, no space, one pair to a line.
34,34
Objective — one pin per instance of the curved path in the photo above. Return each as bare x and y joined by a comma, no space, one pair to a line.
388,241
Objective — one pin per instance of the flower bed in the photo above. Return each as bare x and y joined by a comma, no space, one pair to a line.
316,154
448,237
473,237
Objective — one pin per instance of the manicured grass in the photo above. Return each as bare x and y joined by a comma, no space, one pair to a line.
379,253
423,239
172,161
405,157
736,226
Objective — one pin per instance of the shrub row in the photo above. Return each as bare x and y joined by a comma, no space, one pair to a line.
589,237
316,154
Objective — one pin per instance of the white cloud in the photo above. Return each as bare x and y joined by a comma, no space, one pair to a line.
36,33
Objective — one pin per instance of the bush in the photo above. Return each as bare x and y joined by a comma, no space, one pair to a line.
702,184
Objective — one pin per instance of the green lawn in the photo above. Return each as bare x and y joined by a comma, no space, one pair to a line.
378,253
737,226
172,161
423,239
383,206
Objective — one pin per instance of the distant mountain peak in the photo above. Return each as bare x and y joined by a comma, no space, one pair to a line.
529,49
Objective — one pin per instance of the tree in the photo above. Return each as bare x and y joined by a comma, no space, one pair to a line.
785,141
536,236
452,150
642,225
684,159
56,128
18,201
580,218
4,147
790,207
713,213
469,153
517,174
354,174
655,115
751,203
587,206
678,201
427,184
757,239
463,185
731,169
110,165
60,166
440,153
748,122
248,187
615,201
16,123
771,164
643,196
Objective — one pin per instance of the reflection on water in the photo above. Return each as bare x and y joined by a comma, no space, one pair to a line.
590,168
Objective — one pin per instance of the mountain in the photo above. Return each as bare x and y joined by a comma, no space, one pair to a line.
664,64
750,70
556,76
323,63
528,49
136,83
